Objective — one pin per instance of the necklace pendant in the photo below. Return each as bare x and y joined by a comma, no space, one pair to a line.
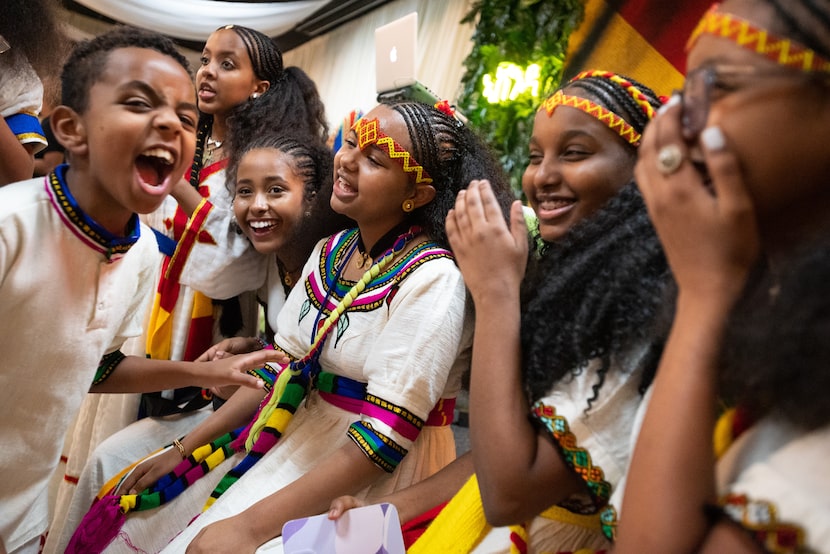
362,259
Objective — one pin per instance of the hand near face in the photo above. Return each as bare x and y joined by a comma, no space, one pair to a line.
710,235
491,255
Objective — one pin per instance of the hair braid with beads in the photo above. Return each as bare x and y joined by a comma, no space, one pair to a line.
617,98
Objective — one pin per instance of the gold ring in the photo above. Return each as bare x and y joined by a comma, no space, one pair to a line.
669,159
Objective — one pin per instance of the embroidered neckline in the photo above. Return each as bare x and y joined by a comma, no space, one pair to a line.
86,228
337,251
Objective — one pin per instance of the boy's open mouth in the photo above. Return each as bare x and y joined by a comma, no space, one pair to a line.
154,166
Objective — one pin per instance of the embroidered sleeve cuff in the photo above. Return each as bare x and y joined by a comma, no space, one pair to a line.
383,451
108,364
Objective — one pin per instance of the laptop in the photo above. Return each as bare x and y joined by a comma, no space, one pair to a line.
395,48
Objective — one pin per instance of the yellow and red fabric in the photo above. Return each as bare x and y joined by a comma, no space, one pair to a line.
642,39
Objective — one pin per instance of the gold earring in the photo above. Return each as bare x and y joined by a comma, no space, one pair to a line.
408,205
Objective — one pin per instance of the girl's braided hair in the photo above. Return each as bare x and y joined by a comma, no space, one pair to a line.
453,155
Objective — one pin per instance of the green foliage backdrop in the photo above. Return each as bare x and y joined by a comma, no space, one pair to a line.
521,32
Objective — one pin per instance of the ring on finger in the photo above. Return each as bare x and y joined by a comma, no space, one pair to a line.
669,159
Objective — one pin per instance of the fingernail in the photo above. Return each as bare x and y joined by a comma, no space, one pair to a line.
260,383
713,139
673,101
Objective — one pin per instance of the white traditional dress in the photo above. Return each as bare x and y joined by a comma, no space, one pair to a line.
180,327
594,442
407,338
147,435
70,293
773,482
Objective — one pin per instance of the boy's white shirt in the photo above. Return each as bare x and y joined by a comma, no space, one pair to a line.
63,306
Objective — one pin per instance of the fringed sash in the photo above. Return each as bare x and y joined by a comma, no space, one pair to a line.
106,517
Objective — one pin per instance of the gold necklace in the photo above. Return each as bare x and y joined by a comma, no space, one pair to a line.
287,276
362,260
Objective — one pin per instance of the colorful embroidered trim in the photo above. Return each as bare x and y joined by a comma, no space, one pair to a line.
401,420
337,249
632,89
267,373
743,33
83,226
577,458
384,452
368,132
609,118
761,519
608,521
107,366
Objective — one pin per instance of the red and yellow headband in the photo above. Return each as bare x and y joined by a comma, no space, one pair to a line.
743,33
606,116
368,132
612,120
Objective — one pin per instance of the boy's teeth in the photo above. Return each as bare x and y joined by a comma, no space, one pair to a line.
159,153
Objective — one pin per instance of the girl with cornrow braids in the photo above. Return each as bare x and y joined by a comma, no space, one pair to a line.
564,349
732,453
243,93
378,332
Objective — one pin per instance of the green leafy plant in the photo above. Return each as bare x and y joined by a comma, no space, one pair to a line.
522,32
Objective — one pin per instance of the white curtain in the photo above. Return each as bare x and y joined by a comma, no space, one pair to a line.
342,62
197,19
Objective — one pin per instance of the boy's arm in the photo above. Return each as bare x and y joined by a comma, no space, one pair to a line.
119,373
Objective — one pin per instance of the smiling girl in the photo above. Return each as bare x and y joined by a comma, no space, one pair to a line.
382,374
735,176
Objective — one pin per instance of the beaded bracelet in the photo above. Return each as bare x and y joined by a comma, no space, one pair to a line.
178,444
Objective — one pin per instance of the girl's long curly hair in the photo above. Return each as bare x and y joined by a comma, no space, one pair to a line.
776,356
599,293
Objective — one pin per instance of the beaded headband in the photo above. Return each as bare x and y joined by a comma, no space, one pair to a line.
609,118
633,91
368,132
743,33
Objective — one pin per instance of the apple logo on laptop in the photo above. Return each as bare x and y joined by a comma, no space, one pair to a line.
393,54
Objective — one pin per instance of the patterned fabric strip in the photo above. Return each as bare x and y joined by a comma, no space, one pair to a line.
577,458
375,292
200,462
83,226
384,453
107,366
782,51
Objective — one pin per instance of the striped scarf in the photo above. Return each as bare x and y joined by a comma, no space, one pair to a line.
104,520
